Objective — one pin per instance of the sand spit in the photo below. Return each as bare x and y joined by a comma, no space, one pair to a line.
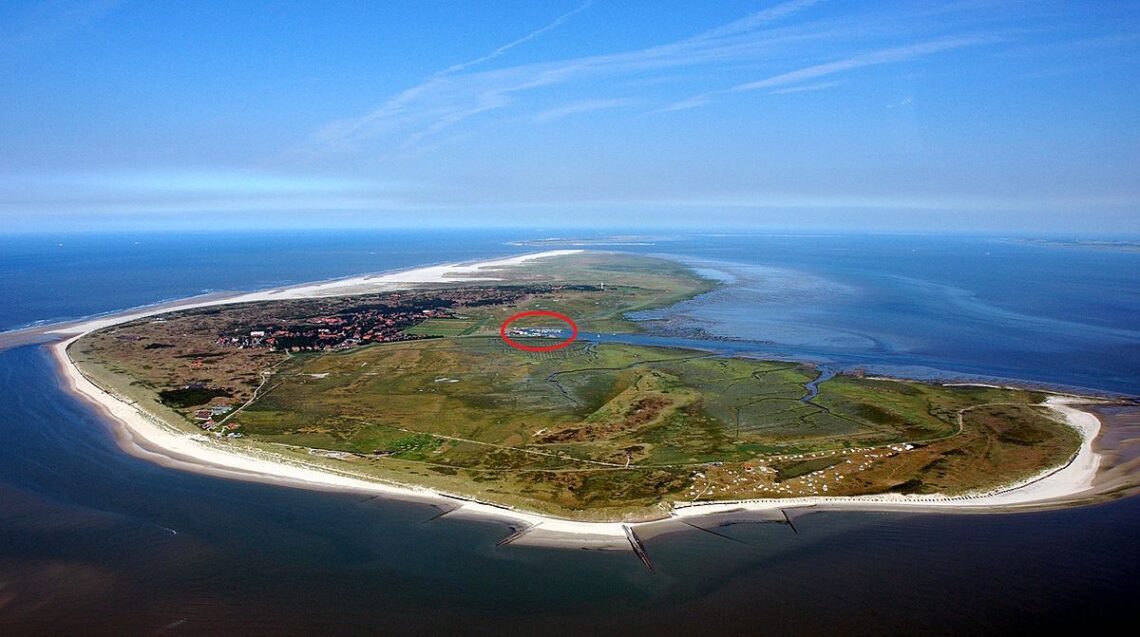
366,284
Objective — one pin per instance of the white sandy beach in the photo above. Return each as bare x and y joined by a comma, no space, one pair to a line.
365,284
145,436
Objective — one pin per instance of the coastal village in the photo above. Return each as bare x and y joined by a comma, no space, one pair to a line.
335,332
382,321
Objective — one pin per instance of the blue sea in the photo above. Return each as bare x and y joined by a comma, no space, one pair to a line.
974,307
95,542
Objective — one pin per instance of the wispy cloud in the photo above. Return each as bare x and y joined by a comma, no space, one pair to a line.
805,88
451,96
48,21
583,106
874,58
510,45
397,114
695,101
779,83
754,20
420,116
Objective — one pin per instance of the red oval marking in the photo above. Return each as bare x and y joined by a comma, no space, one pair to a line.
534,348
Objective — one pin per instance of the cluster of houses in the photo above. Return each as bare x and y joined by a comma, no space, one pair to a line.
334,332
206,421
535,332
383,320
764,478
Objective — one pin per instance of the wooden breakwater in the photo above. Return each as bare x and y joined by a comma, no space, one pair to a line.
638,547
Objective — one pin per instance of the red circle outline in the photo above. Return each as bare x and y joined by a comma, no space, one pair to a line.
535,348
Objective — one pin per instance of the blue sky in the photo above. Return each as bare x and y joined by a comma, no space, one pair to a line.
960,115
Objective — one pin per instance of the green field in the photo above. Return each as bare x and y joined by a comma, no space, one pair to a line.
619,427
446,327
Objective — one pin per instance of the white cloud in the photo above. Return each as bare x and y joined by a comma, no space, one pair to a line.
48,21
451,96
510,45
583,106
805,88
686,104
883,56
780,81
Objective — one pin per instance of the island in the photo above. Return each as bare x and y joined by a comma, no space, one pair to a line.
411,388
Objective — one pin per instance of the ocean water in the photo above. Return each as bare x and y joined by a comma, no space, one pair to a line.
957,307
64,276
93,541
949,307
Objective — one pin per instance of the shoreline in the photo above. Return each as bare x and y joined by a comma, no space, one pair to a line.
361,284
144,436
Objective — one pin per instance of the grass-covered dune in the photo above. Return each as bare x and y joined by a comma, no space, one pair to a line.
620,427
